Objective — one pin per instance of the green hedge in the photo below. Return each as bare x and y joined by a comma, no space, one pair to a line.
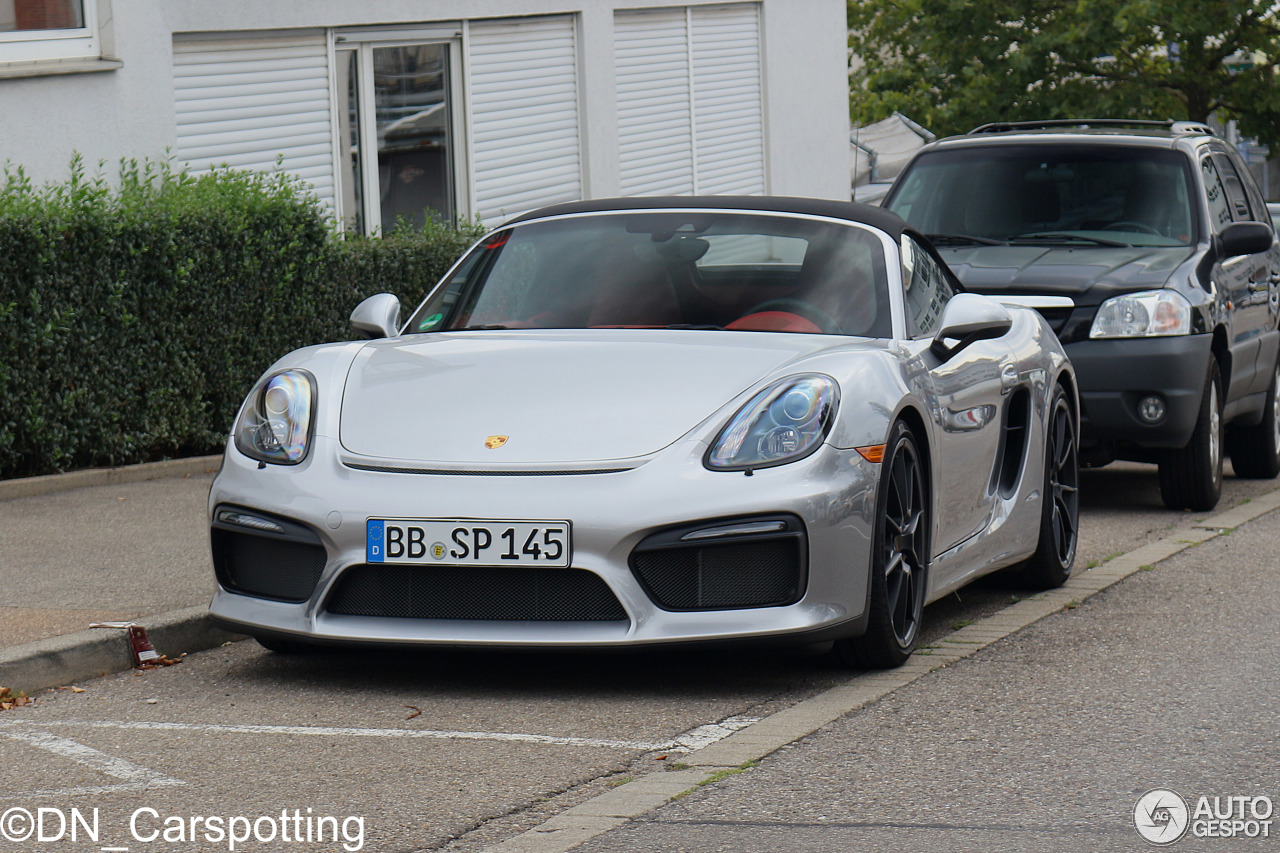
135,314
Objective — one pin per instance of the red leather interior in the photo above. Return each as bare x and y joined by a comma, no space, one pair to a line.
774,321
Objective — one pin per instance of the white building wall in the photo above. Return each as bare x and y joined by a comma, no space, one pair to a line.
801,94
127,112
130,111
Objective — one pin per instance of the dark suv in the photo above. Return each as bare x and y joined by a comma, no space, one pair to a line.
1148,247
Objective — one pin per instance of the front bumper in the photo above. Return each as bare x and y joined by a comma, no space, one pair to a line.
1114,375
831,495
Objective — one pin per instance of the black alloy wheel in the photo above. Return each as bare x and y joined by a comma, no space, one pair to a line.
1050,566
900,560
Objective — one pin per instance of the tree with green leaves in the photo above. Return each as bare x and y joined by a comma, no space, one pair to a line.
954,64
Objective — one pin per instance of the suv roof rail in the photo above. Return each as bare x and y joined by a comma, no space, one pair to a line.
1085,123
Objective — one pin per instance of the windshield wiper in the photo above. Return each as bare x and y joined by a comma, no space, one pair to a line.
493,327
963,240
699,327
1054,237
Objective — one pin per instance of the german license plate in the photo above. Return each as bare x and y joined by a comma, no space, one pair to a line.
467,542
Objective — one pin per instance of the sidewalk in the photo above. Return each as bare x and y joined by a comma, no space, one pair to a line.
122,544
1044,740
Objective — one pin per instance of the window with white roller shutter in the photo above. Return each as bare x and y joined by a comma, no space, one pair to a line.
523,86
253,103
690,103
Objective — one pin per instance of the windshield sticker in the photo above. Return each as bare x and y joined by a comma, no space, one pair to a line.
431,322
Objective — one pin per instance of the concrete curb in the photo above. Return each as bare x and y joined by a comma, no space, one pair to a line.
29,487
58,661
748,745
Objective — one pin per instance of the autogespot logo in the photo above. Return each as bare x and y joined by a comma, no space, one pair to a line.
1161,816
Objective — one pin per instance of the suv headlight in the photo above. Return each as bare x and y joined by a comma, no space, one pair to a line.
275,424
1141,315
786,421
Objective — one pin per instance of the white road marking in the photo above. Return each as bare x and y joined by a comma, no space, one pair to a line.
134,776
696,739
118,768
691,740
338,731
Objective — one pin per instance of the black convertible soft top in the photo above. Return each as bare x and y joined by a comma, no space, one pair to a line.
876,217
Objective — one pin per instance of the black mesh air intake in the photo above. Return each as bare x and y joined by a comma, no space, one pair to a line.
283,567
762,569
494,593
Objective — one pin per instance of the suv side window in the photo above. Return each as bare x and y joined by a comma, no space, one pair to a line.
927,289
1236,196
1216,193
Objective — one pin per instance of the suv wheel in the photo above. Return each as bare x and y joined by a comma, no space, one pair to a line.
1191,478
1255,450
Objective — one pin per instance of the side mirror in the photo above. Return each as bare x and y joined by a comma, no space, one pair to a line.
378,316
969,317
1245,238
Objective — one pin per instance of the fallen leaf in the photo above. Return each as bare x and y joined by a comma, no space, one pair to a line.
77,689
8,701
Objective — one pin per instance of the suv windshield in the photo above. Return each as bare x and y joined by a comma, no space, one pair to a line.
1085,195
668,269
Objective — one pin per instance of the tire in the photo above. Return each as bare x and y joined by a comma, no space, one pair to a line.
1050,566
1255,450
1191,478
899,563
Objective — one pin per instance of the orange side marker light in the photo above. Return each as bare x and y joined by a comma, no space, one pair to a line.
873,453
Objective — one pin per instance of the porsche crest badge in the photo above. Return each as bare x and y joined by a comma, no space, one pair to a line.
493,442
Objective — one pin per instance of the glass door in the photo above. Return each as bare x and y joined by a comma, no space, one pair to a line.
398,129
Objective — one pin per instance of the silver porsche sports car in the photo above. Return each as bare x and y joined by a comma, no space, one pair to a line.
661,420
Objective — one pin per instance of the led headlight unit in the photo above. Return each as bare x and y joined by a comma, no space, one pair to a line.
784,422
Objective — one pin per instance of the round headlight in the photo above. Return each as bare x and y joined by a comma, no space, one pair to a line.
797,405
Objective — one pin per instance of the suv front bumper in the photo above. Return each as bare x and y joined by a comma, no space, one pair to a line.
1116,374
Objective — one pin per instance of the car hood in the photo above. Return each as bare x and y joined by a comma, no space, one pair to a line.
1087,274
558,397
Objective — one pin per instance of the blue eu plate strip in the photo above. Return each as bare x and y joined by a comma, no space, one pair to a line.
375,540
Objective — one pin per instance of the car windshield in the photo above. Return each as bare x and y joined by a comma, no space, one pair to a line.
668,270
1077,195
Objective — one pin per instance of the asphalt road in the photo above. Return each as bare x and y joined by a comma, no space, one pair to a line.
1040,742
